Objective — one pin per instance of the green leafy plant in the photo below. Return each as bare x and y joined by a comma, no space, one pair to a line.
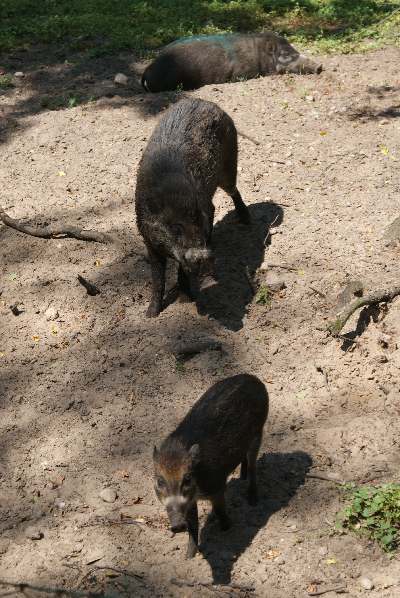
264,295
5,81
373,511
180,367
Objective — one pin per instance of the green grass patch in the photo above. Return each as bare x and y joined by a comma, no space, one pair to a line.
106,26
374,512
5,81
264,295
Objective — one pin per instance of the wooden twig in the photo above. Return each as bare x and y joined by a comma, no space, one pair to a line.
269,229
22,586
184,350
283,267
386,295
338,589
89,286
219,588
55,231
119,571
320,293
326,477
248,137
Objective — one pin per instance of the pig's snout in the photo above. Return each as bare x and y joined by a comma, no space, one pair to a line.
178,527
207,282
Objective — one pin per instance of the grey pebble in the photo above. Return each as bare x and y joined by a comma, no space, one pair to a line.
108,495
33,533
366,583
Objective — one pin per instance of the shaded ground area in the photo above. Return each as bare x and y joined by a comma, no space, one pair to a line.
88,385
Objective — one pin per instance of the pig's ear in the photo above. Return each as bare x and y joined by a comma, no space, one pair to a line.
155,452
194,453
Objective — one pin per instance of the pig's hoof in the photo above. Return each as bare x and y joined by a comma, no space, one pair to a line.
153,311
191,552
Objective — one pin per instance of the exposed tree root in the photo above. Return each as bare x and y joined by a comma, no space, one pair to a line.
55,231
386,295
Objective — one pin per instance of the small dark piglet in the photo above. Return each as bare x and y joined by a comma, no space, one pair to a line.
200,60
221,431
192,151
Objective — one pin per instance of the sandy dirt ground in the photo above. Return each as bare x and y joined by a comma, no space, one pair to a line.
89,385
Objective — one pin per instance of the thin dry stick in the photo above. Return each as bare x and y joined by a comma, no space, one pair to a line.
386,295
337,589
248,137
119,571
55,231
269,229
283,267
327,478
220,588
57,591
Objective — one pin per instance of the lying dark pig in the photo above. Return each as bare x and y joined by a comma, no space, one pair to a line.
221,431
192,151
192,62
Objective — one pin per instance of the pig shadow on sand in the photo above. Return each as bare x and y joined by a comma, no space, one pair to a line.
279,476
239,251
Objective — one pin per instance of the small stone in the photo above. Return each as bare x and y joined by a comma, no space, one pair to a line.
392,233
121,79
279,560
309,98
108,495
19,74
59,504
366,583
51,313
323,550
33,533
274,282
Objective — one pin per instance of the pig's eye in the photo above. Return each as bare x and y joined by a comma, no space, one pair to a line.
161,483
177,230
187,479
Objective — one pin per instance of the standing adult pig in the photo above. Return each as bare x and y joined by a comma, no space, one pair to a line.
221,431
196,61
192,151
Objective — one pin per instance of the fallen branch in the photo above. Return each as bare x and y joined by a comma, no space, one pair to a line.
338,589
269,229
326,477
55,231
89,286
57,591
118,571
283,267
248,137
187,350
386,295
181,583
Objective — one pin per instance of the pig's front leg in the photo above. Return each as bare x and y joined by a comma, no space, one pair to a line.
193,529
157,264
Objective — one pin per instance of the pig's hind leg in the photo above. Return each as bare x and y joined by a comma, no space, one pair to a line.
158,265
252,495
193,529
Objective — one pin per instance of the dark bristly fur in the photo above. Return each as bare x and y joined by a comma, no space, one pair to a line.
196,61
192,151
221,431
